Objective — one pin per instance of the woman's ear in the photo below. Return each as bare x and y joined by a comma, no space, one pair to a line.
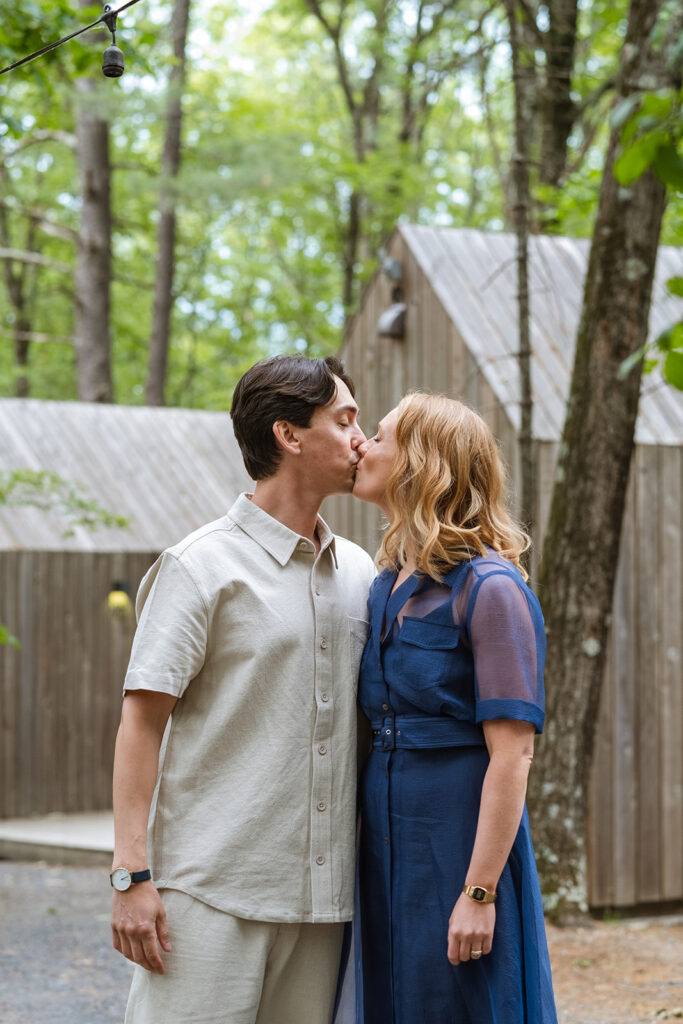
287,436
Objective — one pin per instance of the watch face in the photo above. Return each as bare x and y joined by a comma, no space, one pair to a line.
120,879
478,893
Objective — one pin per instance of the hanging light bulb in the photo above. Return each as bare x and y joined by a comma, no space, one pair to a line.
112,61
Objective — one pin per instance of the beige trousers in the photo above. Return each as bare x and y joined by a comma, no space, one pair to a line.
226,970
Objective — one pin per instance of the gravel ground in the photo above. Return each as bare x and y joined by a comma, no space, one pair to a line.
58,966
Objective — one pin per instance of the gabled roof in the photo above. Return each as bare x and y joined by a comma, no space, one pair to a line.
473,273
168,470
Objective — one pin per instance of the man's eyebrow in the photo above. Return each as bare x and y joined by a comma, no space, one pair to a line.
349,407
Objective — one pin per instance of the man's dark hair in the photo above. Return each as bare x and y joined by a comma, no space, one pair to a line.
281,388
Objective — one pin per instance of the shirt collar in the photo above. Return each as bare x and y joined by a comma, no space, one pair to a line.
273,536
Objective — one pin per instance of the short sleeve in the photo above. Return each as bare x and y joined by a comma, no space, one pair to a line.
507,635
169,647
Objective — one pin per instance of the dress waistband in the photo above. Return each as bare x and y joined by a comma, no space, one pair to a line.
423,731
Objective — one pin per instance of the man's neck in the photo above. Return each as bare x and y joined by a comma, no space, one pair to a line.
285,500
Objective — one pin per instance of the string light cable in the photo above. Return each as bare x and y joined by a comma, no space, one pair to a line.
108,18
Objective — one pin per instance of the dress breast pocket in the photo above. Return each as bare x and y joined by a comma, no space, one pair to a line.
427,651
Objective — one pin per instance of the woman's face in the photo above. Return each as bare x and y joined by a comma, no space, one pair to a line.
377,454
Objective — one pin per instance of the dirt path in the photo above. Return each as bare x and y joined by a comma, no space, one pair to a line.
619,972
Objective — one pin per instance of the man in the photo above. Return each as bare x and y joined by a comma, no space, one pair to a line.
249,638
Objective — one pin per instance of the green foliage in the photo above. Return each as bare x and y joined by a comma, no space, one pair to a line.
7,638
269,168
666,350
651,132
50,492
651,135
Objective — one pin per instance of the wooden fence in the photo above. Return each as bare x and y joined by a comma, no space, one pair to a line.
60,693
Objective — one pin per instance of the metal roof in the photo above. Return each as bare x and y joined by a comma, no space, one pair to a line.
474,275
168,470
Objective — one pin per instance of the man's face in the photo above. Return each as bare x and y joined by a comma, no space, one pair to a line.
330,443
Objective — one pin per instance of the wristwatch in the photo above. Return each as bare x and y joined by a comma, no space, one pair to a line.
122,879
478,893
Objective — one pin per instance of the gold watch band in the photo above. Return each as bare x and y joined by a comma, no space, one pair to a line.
479,893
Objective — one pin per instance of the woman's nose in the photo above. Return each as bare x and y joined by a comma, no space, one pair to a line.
361,448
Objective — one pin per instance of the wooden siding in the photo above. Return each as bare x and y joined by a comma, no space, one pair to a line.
473,275
635,832
60,693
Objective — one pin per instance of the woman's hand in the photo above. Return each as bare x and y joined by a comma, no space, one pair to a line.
470,928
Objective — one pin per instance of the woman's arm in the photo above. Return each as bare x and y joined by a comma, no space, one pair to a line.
511,749
138,918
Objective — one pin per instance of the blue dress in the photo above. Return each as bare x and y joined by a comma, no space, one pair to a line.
440,660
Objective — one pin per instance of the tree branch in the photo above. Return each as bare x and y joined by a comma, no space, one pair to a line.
21,256
49,227
44,135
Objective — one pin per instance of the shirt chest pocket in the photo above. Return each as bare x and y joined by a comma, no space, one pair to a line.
427,650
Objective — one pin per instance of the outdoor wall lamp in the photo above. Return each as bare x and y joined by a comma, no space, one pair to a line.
392,322
118,598
393,269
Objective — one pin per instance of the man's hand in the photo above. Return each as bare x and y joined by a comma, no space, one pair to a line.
138,925
470,928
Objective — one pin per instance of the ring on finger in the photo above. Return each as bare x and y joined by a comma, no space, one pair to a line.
476,953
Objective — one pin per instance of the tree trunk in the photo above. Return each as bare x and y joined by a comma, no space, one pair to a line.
21,332
163,289
582,541
350,253
92,336
557,105
524,84
16,282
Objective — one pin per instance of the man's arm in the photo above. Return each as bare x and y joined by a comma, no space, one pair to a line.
138,918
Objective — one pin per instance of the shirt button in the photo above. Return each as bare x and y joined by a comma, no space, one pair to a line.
317,591
322,749
385,707
321,805
323,643
320,859
324,696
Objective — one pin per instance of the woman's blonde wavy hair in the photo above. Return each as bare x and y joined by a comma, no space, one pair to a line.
446,490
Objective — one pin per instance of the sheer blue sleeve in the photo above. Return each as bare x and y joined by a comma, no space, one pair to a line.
505,626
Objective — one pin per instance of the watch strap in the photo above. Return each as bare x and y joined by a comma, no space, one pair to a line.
141,876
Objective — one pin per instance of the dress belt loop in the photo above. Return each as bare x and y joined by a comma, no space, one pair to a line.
388,732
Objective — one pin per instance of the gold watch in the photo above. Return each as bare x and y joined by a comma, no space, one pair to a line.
479,893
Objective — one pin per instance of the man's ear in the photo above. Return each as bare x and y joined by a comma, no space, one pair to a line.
287,436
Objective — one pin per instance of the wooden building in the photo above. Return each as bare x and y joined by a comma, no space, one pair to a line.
168,471
460,337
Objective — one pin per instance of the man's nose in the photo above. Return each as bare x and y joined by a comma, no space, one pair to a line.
358,439
361,447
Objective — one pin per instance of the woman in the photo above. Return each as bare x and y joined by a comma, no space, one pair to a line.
452,925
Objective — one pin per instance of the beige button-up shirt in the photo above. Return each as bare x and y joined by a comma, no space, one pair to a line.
254,811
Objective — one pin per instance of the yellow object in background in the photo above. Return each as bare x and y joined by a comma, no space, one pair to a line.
118,600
